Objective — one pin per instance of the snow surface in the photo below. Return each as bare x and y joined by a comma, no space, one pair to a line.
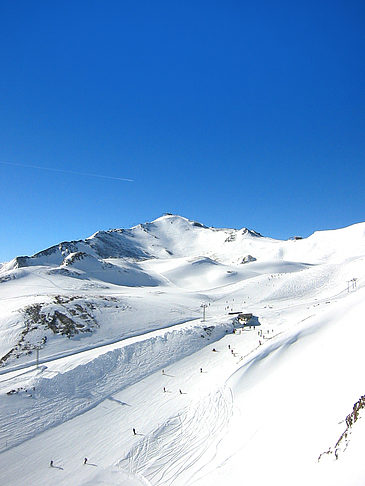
259,409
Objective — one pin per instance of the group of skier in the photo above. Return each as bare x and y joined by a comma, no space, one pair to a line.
164,390
181,393
51,464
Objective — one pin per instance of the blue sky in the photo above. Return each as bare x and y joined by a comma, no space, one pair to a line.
230,113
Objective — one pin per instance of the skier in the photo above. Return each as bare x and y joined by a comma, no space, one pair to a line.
51,464
180,392
163,372
164,389
229,346
214,350
134,431
85,460
201,370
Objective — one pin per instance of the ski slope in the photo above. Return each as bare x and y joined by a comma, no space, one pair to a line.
261,408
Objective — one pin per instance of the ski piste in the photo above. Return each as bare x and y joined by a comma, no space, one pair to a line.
262,408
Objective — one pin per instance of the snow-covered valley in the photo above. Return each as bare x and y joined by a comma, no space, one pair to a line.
117,324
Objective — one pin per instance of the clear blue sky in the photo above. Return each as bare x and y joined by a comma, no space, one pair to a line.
231,113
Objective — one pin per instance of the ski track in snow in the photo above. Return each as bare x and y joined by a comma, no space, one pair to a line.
61,396
277,399
169,455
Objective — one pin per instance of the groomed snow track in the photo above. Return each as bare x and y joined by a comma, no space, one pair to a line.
176,451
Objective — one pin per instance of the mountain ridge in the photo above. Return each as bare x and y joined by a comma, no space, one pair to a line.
119,242
176,236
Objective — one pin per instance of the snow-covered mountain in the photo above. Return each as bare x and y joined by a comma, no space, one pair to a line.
104,315
167,236
172,236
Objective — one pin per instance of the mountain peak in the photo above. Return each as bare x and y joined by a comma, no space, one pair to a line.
169,217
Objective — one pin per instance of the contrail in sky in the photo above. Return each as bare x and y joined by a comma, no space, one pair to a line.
64,171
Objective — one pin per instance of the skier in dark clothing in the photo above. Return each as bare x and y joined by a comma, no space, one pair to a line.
201,370
164,389
85,460
51,464
134,432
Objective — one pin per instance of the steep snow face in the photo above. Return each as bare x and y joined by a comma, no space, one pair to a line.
103,244
175,236
125,274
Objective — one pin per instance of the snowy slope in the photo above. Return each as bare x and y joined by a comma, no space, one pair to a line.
77,279
110,312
